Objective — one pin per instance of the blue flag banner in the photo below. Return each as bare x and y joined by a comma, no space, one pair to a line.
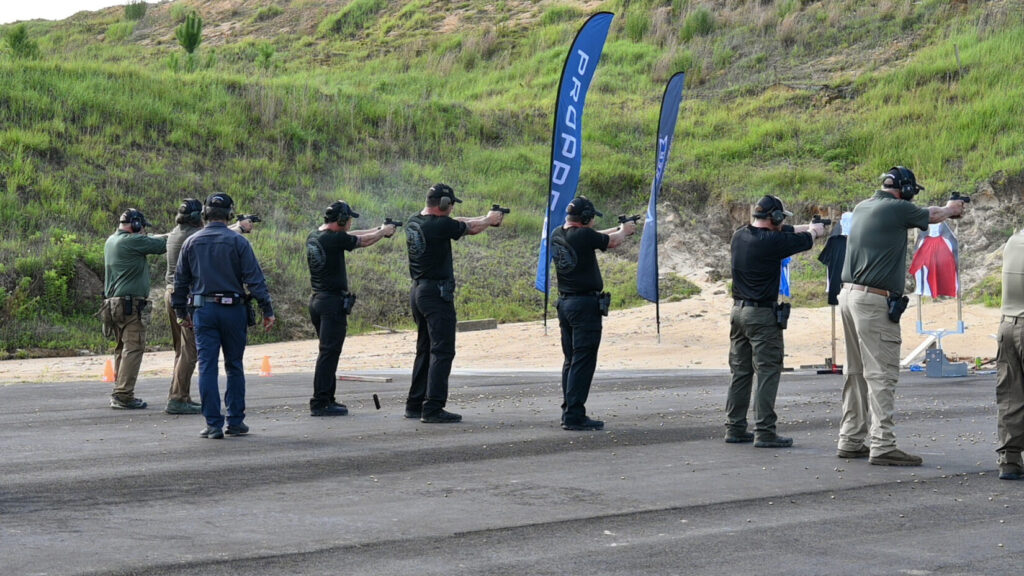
784,277
567,135
647,265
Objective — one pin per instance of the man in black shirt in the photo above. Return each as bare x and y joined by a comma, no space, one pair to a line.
325,254
756,334
573,247
428,238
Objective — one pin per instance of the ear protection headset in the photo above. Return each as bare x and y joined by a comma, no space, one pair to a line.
903,179
191,207
582,208
134,219
339,212
443,202
776,216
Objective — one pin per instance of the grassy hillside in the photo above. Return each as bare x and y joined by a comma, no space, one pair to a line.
288,105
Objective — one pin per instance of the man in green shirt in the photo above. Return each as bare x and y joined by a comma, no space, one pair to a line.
1010,363
873,276
125,293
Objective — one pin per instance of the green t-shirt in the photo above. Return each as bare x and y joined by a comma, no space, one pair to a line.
125,268
876,251
1013,276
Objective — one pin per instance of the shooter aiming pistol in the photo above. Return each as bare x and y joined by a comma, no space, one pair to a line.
819,220
634,218
251,218
958,196
498,208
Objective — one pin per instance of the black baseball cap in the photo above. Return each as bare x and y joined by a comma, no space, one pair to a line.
220,200
440,190
580,205
768,204
339,210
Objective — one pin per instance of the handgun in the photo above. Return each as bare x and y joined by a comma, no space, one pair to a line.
958,196
819,220
634,218
250,217
395,223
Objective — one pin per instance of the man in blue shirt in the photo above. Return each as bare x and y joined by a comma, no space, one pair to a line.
215,267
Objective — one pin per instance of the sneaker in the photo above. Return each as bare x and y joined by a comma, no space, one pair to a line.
417,414
896,458
329,410
1011,472
182,407
739,438
441,417
862,452
212,433
773,441
133,404
239,430
586,424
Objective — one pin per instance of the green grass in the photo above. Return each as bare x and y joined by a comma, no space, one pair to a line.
385,98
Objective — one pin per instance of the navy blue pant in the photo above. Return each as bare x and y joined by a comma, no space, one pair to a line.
221,327
579,318
435,347
327,311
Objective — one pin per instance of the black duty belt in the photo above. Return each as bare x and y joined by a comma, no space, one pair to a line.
223,298
1013,319
752,303
578,294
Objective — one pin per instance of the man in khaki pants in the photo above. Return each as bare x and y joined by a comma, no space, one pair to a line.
873,280
125,290
1010,363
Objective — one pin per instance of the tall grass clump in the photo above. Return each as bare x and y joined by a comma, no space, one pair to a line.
700,22
354,17
19,44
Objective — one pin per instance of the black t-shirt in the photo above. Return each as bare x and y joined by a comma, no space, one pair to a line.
832,256
428,239
572,250
325,254
757,255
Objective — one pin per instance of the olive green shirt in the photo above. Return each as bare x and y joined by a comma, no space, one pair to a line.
125,268
1013,276
876,250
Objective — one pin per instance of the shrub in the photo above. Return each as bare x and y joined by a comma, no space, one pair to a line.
190,32
267,13
135,10
20,45
700,22
637,25
119,31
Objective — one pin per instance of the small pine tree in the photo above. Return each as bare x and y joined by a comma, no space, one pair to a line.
135,10
190,32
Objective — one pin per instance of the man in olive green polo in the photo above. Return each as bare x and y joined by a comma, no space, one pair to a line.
125,293
873,276
1010,363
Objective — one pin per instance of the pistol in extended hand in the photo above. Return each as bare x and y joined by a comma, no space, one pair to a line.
634,218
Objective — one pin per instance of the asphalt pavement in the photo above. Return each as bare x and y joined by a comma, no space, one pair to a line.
85,489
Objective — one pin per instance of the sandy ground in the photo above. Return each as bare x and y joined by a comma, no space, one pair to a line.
694,334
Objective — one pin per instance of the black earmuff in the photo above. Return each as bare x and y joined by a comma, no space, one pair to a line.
444,202
775,216
903,179
192,208
135,220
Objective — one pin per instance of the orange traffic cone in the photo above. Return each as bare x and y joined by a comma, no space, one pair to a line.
108,372
265,367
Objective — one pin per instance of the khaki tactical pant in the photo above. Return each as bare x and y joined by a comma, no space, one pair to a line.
872,369
184,355
1010,390
130,333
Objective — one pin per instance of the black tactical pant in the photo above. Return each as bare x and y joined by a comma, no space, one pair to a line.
579,319
327,312
435,346
756,347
